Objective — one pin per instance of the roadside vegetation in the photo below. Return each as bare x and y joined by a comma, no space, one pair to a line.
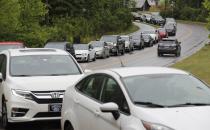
191,10
198,64
36,21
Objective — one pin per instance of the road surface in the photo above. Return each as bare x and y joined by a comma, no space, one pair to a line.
193,37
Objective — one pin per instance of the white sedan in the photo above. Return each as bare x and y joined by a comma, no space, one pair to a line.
84,52
144,98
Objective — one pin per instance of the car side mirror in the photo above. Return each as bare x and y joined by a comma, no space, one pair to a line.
111,108
1,77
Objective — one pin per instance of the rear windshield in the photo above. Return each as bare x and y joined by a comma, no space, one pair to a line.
6,47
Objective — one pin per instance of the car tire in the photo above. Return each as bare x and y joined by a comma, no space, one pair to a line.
117,53
104,56
94,59
151,44
68,126
4,119
123,52
178,54
108,55
88,59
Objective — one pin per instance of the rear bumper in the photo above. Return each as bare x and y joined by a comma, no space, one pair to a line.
167,51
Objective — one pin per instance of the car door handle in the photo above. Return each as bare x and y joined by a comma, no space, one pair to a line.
97,113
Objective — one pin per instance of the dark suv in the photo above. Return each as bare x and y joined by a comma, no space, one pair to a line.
61,45
116,44
169,46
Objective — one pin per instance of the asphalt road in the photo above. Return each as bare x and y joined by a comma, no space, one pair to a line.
193,37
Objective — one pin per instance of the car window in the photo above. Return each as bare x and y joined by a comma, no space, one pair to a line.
91,86
113,93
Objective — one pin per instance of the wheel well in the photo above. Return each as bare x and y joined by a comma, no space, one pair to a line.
67,123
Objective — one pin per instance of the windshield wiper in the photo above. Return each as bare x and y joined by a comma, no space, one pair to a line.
190,104
150,104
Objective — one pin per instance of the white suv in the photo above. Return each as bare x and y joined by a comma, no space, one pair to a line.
33,82
147,98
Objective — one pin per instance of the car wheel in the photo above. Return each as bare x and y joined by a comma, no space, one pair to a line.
94,59
4,118
178,54
88,59
108,55
117,52
104,55
159,54
123,51
151,44
68,126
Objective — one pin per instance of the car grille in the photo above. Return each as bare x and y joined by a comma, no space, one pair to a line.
47,114
48,97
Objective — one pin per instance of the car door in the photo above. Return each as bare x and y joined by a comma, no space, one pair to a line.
87,101
112,93
91,52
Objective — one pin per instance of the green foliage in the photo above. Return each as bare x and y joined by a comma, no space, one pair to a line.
36,21
9,17
185,10
207,6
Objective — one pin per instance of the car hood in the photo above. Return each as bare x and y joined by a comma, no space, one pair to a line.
98,48
153,36
45,83
183,118
81,51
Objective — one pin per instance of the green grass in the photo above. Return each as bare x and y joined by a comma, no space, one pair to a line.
131,29
198,64
191,22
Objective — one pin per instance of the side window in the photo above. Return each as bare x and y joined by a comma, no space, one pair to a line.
91,86
113,93
1,60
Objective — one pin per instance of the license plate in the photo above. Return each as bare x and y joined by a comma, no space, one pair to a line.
55,107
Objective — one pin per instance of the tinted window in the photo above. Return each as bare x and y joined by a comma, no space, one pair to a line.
4,67
113,93
91,86
167,89
81,46
43,65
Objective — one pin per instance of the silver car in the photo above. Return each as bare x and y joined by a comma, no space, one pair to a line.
101,48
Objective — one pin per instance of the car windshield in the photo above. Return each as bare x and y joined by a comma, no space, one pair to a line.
81,46
6,47
43,65
169,26
126,38
149,32
145,36
167,89
97,44
55,45
161,30
109,39
168,41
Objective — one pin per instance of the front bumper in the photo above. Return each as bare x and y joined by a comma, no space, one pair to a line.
99,54
81,58
113,50
36,111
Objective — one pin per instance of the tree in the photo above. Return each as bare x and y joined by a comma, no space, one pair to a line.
207,6
9,18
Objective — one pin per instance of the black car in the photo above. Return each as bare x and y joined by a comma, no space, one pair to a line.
170,29
137,42
148,41
116,44
156,19
61,45
169,46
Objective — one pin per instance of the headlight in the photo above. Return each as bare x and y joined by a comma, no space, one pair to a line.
23,94
115,44
84,54
153,126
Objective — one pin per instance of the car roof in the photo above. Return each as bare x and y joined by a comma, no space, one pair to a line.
11,43
35,51
134,71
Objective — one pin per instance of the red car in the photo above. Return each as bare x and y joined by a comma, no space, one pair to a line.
10,45
162,33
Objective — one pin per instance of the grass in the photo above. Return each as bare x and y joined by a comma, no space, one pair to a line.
198,64
131,29
191,22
